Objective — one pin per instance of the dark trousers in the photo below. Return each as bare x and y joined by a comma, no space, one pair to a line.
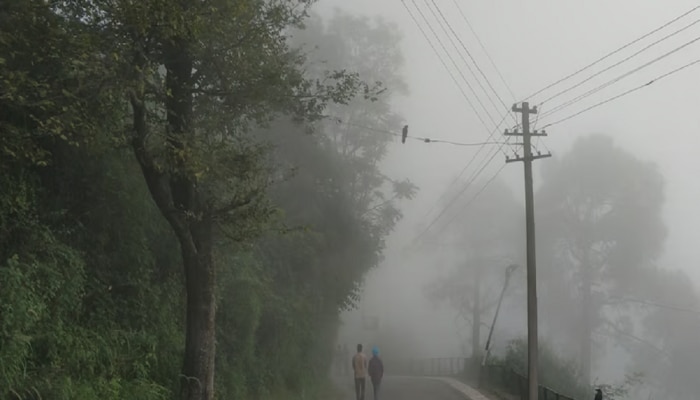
375,388
360,388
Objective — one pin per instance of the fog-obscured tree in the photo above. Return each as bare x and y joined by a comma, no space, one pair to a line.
332,228
482,237
663,341
599,229
361,131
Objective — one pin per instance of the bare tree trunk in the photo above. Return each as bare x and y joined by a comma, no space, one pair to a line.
200,342
196,245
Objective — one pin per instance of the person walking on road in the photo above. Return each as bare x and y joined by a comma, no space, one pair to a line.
359,367
376,372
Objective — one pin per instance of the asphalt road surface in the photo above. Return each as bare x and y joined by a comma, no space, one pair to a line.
394,388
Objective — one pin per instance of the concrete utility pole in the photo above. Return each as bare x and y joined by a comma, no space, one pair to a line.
527,158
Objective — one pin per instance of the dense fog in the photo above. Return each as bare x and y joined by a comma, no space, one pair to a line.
222,199
635,152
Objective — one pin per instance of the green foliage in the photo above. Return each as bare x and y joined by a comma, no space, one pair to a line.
91,285
199,77
560,374
371,50
362,200
294,281
279,306
555,372
52,85
69,329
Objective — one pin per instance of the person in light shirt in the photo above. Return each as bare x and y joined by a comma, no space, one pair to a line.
359,367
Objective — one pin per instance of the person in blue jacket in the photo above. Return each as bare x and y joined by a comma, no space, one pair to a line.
375,371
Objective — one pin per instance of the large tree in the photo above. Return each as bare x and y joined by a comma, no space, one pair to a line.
197,76
599,229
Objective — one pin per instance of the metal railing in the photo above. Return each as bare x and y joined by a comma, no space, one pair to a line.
514,383
498,377
439,366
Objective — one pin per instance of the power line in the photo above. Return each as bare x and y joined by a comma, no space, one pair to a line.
466,20
612,53
563,79
654,304
534,127
464,17
456,197
624,93
476,64
614,80
466,50
428,140
338,120
454,63
488,182
463,77
415,20
621,61
469,163
442,61
488,82
473,91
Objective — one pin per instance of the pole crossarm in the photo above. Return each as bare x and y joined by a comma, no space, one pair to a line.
518,133
531,158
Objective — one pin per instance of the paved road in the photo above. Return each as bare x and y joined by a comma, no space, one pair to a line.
407,389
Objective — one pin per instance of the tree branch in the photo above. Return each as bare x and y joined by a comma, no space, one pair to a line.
155,180
238,203
620,332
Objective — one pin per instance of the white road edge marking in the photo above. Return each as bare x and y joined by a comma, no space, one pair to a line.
468,391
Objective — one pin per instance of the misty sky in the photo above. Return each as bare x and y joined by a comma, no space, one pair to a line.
533,44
